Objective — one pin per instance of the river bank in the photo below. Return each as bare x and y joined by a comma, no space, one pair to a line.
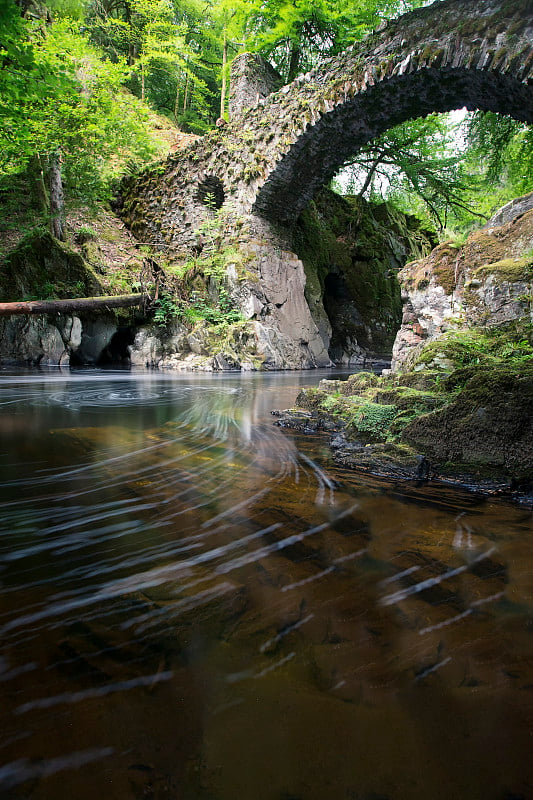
473,428
457,405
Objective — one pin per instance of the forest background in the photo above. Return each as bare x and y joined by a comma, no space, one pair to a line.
88,89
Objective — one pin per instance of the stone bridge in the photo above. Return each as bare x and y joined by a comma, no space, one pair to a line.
266,164
270,159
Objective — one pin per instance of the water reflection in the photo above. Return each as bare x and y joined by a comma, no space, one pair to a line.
196,604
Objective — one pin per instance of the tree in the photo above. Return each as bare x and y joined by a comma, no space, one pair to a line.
64,114
296,36
505,148
163,45
418,164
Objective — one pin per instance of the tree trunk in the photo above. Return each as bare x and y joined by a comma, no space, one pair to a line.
224,64
177,101
57,203
37,185
74,304
370,174
186,93
294,62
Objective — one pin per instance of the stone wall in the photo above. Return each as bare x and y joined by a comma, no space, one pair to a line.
252,80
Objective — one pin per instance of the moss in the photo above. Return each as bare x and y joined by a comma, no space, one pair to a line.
311,398
469,348
423,381
405,398
445,273
42,267
443,265
452,351
363,244
509,270
359,382
373,420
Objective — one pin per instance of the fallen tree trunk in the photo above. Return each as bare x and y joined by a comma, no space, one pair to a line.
74,304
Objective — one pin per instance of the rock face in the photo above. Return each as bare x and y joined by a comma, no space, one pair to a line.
39,266
511,211
339,302
486,283
63,340
352,251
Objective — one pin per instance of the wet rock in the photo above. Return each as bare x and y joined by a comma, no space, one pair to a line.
39,340
484,283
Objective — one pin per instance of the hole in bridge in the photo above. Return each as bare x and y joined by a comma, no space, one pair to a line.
211,192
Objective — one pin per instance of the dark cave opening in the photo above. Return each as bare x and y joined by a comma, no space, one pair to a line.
349,334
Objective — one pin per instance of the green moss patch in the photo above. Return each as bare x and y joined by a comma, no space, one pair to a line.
457,349
41,267
510,270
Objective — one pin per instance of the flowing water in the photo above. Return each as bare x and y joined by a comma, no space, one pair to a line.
196,604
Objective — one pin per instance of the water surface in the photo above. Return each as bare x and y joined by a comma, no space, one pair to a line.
196,604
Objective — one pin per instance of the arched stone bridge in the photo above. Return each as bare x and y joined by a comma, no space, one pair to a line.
270,159
264,167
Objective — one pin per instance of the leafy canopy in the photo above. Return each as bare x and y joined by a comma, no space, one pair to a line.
57,94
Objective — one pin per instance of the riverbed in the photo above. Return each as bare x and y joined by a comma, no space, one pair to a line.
197,604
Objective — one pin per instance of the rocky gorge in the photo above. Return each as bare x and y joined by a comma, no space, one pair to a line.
458,402
239,304
240,263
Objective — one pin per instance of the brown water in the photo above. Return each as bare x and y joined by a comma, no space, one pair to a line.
195,604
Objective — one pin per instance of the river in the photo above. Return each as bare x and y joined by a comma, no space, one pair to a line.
198,605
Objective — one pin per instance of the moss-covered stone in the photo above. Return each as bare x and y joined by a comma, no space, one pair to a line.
509,270
351,252
488,424
423,381
359,382
42,267
405,398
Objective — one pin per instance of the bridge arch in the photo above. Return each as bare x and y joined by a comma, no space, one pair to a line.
473,53
267,163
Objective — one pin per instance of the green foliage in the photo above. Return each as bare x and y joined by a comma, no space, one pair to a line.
296,36
164,44
453,174
199,308
477,348
62,97
166,310
201,284
374,419
416,165
505,147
